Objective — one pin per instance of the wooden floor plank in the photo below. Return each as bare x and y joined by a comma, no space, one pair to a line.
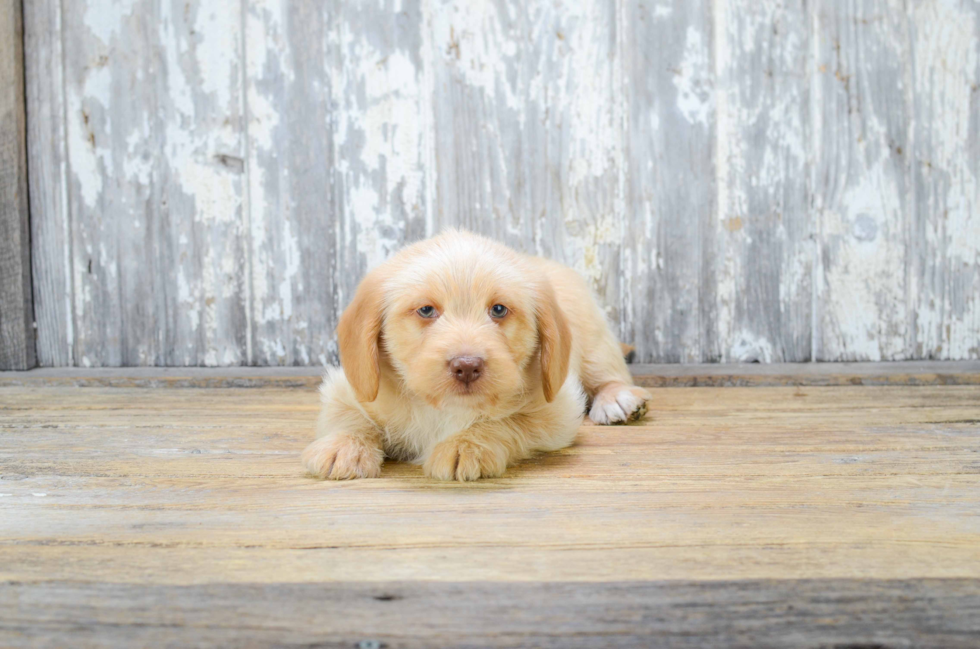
846,614
147,500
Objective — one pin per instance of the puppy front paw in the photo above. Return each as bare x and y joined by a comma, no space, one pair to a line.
619,404
342,457
460,458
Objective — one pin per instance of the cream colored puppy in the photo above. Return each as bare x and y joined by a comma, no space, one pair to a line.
465,356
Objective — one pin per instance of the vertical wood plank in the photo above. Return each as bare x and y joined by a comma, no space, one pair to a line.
17,351
47,176
671,183
659,148
292,210
861,178
383,122
528,130
574,151
479,110
337,161
945,233
156,146
758,250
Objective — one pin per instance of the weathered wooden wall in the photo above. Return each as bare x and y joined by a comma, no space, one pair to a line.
17,346
772,180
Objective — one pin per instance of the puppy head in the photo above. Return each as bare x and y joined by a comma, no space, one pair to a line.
459,319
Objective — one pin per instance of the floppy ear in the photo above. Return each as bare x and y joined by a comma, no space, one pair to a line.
357,336
556,343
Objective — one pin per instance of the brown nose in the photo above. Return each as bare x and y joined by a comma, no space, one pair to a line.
466,369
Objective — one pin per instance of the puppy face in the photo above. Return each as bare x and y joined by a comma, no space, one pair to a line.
462,322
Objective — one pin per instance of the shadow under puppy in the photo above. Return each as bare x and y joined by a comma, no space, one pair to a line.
465,356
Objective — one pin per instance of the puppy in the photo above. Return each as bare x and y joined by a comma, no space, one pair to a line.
465,356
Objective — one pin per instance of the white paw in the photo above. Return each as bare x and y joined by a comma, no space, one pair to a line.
619,404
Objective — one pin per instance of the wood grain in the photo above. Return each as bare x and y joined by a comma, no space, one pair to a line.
48,164
574,169
382,124
778,613
479,100
671,181
528,144
772,516
16,303
202,486
292,213
156,143
738,180
757,245
945,230
861,179
337,170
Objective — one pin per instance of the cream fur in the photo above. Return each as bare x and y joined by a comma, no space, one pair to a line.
395,396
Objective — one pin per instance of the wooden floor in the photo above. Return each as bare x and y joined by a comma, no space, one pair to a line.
766,516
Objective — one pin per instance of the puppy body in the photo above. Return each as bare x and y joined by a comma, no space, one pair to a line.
398,396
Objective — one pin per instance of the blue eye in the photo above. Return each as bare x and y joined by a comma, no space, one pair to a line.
498,311
428,311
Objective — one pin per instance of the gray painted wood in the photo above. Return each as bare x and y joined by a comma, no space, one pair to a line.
788,613
573,169
382,127
528,130
772,181
337,169
861,179
291,208
156,142
945,231
671,181
757,245
16,305
479,109
48,162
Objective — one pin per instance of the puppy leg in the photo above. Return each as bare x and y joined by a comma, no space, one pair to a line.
603,370
607,379
480,452
488,448
618,403
347,445
343,456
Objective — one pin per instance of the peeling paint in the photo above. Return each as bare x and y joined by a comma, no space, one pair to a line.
104,19
750,348
694,80
231,176
946,234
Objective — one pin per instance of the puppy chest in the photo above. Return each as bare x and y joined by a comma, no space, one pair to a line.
412,436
